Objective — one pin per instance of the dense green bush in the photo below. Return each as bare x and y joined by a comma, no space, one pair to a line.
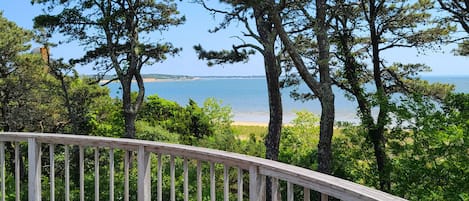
432,156
428,151
190,122
298,144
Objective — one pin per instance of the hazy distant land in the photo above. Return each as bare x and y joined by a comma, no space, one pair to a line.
166,77
151,77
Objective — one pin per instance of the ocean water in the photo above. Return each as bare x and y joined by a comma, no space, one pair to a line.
248,96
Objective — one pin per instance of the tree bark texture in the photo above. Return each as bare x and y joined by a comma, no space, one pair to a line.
272,71
327,96
268,36
323,88
376,133
130,107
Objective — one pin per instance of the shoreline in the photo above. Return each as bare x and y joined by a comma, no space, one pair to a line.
249,123
150,79
253,123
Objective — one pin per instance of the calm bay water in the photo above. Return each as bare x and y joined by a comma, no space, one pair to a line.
248,96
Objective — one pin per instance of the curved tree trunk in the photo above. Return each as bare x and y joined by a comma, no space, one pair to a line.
376,133
268,36
323,88
272,71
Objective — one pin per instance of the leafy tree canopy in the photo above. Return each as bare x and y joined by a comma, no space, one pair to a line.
118,35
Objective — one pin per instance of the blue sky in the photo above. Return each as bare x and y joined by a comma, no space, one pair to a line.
195,31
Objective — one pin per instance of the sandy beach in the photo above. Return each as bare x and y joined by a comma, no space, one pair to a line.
249,123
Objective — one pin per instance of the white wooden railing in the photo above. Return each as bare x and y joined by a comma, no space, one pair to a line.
257,169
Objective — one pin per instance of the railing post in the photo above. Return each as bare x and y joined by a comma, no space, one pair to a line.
81,156
67,172
126,174
52,172
324,197
144,180
306,194
240,184
186,180
111,174
172,170
34,170
17,172
159,186
96,174
274,182
226,183
253,183
2,171
199,180
290,192
212,182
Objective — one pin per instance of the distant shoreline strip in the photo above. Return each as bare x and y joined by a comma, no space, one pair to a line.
158,80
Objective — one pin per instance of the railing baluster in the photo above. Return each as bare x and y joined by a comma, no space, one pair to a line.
111,174
172,174
324,197
290,193
212,181
126,174
160,178
199,181
262,190
253,183
17,171
240,184
144,173
82,173
67,173
306,193
96,174
2,170
52,172
186,180
274,188
226,182
34,169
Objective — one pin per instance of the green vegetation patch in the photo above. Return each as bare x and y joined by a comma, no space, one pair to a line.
245,132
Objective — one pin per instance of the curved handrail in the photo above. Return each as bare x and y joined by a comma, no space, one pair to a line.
326,184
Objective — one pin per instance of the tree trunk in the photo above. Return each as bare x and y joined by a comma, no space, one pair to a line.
5,123
71,114
272,141
268,36
272,71
378,141
130,115
323,88
325,133
376,134
327,96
